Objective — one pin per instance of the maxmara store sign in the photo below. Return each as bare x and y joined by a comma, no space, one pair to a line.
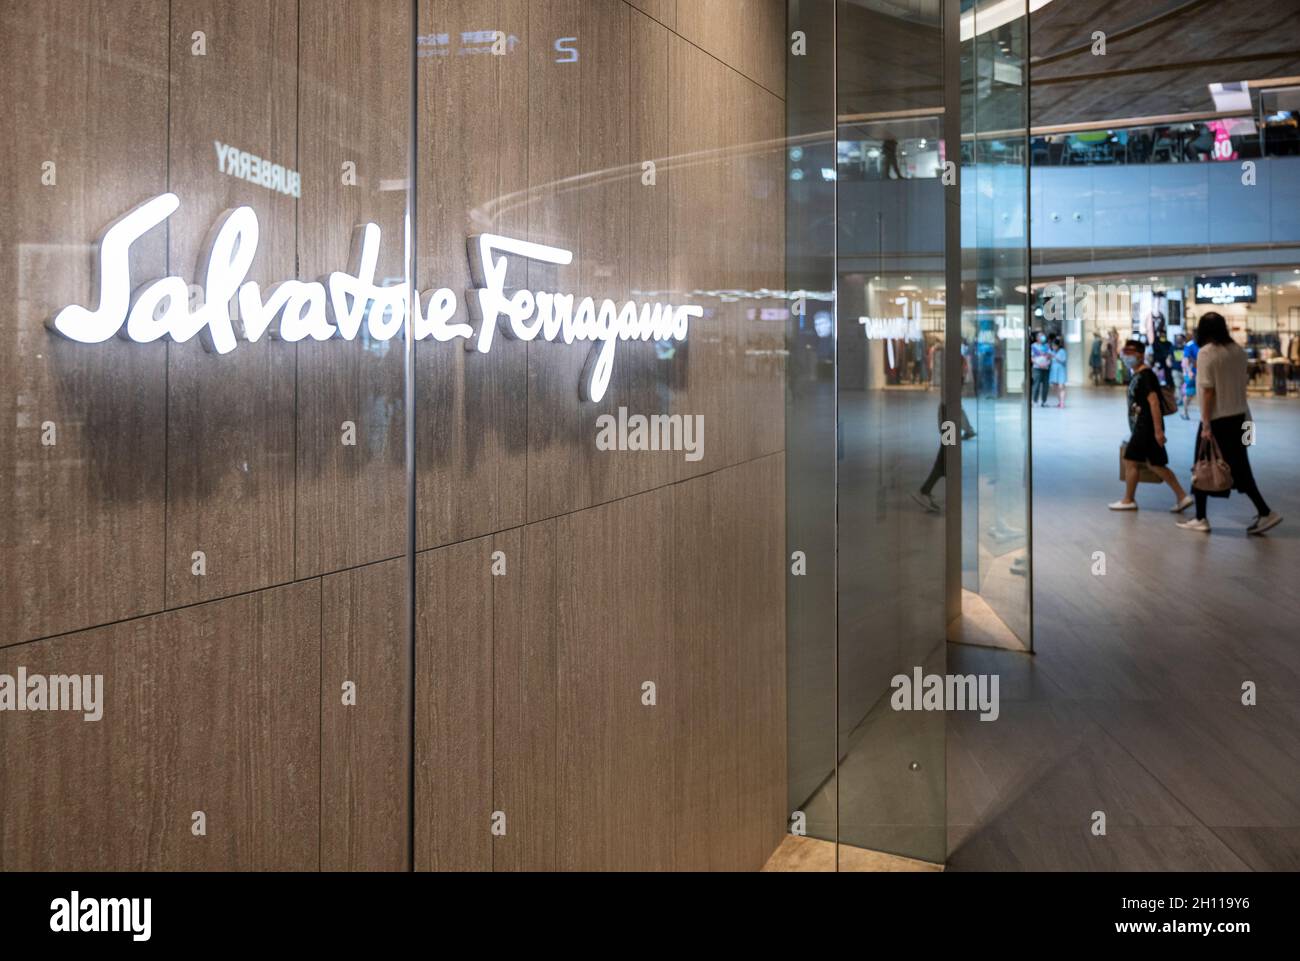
337,305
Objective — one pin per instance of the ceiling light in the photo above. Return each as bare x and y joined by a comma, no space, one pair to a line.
996,14
1230,96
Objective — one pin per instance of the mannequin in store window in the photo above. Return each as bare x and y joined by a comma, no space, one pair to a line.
1110,357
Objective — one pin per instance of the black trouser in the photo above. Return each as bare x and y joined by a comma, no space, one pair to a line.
1251,490
1040,385
936,472
1228,432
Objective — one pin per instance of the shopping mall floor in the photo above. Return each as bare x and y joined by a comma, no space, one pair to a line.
1132,705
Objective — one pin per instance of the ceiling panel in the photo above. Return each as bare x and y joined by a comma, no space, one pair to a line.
1161,55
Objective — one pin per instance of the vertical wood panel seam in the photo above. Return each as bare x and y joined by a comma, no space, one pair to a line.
492,715
167,349
410,439
320,621
835,409
497,78
297,267
320,721
494,801
528,146
667,278
554,853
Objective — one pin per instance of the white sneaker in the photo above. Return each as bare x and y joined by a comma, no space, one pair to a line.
1123,506
1195,524
1263,524
1187,501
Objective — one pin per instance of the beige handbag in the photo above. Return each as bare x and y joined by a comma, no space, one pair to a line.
1211,472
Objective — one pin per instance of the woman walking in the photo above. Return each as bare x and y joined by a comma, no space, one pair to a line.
1221,375
1060,370
1147,423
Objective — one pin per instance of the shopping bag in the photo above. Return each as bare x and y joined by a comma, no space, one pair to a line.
1145,474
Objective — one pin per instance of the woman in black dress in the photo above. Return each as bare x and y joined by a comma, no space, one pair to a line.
1147,424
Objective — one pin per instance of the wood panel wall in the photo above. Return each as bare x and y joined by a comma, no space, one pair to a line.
224,692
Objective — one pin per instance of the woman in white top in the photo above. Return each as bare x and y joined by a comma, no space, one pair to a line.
1221,374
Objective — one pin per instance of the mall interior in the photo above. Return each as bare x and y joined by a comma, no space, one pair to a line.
294,581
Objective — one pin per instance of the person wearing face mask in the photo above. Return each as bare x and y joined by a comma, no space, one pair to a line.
1040,359
1146,442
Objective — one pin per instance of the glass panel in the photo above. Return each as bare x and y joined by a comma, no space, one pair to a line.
891,330
995,569
811,442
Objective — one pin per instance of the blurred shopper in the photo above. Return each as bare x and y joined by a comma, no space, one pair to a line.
1040,359
925,496
1146,444
1059,376
890,149
1201,144
1164,356
1222,376
1190,351
1094,360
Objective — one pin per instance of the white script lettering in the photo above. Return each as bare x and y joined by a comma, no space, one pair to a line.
294,310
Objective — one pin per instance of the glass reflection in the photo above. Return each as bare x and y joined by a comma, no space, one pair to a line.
995,562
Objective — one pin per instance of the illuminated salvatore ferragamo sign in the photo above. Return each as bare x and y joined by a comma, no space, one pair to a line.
336,306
